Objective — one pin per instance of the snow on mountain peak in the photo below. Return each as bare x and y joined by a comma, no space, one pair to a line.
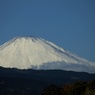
34,52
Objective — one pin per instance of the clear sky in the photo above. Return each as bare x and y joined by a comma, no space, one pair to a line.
67,23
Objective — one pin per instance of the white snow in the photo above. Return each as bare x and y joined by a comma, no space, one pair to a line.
33,52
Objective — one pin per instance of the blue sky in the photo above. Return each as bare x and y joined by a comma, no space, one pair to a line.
68,23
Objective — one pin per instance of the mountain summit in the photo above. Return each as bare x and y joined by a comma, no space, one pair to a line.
37,53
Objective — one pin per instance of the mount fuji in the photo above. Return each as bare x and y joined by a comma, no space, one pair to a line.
37,53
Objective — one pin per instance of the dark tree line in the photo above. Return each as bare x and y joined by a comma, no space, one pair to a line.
78,88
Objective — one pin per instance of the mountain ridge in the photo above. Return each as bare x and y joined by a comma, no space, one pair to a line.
35,52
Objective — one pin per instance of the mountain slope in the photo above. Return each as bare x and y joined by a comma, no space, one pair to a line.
37,53
33,82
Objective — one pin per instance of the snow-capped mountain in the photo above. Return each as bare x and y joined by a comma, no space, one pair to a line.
37,53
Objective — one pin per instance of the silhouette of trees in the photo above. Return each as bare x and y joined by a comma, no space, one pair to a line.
78,88
52,90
